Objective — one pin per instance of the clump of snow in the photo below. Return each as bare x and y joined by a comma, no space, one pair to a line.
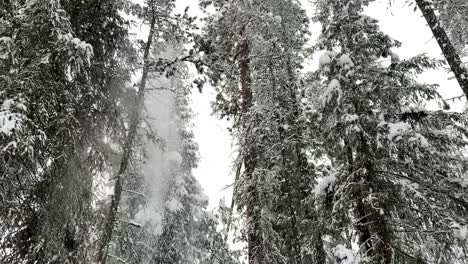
351,118
325,183
412,187
394,57
10,120
460,231
344,255
420,139
395,130
464,182
85,49
346,62
45,59
278,19
6,44
7,104
173,205
334,85
212,217
79,44
414,109
326,58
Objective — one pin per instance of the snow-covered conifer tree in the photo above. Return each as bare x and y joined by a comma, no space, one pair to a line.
56,112
395,190
253,52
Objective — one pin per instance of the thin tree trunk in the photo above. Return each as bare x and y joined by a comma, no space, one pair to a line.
296,171
445,44
127,149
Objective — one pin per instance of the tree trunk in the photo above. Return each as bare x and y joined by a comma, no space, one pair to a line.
375,234
301,164
127,149
253,210
445,44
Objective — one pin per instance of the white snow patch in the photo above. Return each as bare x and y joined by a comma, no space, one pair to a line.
326,58
397,129
324,184
10,120
45,59
81,45
278,19
346,62
344,255
6,42
460,231
7,104
334,85
351,118
464,182
420,139
85,49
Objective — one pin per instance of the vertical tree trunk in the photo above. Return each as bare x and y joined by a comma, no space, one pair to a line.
245,78
300,163
253,210
375,235
445,44
293,164
127,149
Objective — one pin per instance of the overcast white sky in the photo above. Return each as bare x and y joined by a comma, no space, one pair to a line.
398,20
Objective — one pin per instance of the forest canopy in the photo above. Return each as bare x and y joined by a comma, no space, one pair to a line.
355,161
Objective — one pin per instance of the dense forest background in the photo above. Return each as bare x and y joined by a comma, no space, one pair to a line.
358,160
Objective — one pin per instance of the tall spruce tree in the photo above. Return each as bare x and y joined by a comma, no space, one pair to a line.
396,186
56,112
253,52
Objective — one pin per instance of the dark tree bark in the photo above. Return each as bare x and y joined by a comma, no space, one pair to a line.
253,210
375,235
445,44
127,149
245,78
